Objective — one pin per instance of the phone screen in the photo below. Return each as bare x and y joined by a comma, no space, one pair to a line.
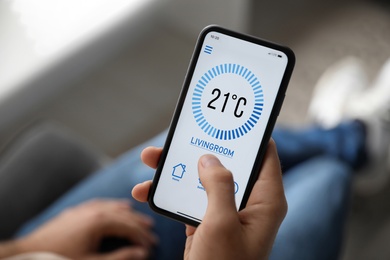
227,104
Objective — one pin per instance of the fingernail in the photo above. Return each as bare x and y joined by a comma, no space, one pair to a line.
209,160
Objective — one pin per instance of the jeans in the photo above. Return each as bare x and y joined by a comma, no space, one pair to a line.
317,167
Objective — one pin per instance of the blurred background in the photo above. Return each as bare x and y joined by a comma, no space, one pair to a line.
111,71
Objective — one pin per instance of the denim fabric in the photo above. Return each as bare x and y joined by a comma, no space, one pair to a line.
317,182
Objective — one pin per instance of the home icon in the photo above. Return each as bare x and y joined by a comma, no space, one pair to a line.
178,170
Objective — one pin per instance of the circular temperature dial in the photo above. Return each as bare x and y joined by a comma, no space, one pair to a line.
227,101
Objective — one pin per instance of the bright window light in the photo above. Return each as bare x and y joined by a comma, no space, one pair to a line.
56,24
35,34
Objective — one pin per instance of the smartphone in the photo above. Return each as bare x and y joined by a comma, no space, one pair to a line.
232,94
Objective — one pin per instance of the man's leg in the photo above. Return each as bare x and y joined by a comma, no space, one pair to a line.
117,180
346,142
318,194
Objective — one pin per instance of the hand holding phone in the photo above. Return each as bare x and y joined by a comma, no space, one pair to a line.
249,232
232,94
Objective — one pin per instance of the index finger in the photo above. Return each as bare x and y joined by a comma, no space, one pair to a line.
150,156
141,190
269,185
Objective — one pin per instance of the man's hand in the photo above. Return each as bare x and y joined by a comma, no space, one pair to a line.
225,233
77,232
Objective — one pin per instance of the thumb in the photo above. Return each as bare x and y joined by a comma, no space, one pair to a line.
219,186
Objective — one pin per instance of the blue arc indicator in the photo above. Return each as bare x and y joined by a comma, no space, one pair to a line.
201,85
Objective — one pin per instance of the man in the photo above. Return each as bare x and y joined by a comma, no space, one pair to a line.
223,234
